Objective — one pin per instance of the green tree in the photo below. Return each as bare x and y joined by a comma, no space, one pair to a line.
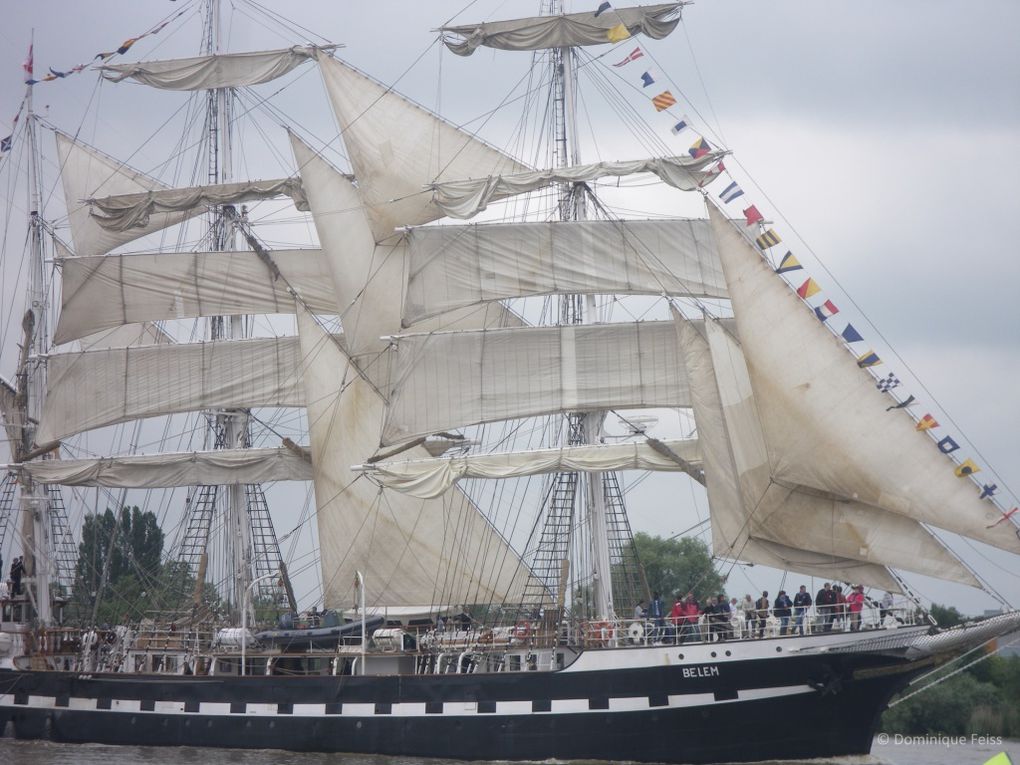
678,566
944,709
946,616
118,564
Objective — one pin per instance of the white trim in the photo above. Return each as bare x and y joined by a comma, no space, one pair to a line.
409,709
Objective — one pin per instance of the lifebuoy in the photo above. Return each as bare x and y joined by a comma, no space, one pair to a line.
522,630
636,632
599,633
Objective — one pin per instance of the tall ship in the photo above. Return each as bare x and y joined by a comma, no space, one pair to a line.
452,373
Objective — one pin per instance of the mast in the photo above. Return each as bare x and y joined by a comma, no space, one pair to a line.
582,428
35,519
230,429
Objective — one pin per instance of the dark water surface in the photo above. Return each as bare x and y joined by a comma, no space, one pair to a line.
895,752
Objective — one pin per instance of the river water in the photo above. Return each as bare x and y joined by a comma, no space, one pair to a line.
897,751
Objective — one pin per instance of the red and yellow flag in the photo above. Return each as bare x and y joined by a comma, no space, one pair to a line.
808,288
927,423
663,101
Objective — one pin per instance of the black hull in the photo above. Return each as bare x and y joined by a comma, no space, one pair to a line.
769,708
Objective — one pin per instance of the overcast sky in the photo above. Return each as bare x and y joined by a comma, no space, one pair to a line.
887,135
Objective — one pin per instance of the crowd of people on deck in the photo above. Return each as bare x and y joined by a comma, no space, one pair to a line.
722,618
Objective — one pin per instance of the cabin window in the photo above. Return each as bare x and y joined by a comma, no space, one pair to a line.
514,663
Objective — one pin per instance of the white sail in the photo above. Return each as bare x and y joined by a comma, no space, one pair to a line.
446,380
825,422
429,478
123,336
397,147
560,31
466,198
112,290
411,551
231,70
152,471
457,266
367,278
731,531
86,173
793,514
131,211
821,565
91,389
10,415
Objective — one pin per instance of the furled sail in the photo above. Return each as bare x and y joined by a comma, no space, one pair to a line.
429,478
560,31
91,389
824,421
86,173
466,198
232,70
113,290
397,147
445,380
457,266
153,471
411,551
125,212
748,502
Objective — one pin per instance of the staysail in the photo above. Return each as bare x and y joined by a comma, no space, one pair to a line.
401,543
560,31
397,147
86,173
411,551
753,518
824,421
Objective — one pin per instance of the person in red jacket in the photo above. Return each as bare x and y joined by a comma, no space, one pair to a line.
855,604
692,612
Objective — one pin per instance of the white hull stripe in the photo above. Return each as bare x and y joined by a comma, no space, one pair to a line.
407,709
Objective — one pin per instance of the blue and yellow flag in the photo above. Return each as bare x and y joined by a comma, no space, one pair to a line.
965,468
788,263
869,359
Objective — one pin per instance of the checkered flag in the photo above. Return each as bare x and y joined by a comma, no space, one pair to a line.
886,384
